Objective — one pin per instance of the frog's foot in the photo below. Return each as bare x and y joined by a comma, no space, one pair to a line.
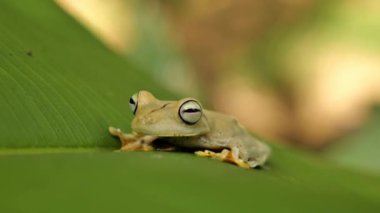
124,138
143,143
133,142
225,155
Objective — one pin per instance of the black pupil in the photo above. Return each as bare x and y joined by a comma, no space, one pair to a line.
191,110
131,101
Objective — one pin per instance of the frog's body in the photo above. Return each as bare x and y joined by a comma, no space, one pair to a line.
211,131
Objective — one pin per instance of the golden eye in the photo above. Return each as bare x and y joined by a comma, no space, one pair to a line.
190,112
133,103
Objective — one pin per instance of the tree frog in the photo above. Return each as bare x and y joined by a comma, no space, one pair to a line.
184,123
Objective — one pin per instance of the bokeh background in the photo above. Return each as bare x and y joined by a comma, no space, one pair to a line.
306,73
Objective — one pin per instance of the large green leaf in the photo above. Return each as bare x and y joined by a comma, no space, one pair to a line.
60,89
59,86
179,182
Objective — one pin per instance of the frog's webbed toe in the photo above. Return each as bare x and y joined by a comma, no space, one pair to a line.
231,156
133,142
124,138
114,131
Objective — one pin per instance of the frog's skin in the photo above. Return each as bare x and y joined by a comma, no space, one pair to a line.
218,135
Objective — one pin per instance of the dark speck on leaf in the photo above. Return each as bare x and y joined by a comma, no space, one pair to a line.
29,53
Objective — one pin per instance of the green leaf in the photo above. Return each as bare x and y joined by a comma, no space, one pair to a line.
59,86
60,89
179,182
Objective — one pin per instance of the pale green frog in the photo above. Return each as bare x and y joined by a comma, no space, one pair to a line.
185,124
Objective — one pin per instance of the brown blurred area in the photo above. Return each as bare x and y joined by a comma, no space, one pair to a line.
303,72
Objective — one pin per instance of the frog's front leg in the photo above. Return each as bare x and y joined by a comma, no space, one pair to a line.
133,142
226,155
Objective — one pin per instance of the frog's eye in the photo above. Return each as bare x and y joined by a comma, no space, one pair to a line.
190,112
133,103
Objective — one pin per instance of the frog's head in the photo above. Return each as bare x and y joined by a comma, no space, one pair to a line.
167,118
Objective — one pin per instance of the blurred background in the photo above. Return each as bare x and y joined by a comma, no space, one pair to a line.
301,72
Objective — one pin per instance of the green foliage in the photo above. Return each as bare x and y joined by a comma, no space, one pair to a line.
60,89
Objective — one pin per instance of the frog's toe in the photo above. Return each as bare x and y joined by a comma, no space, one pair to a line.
235,160
114,131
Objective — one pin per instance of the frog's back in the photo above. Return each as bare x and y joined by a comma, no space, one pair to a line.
224,126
